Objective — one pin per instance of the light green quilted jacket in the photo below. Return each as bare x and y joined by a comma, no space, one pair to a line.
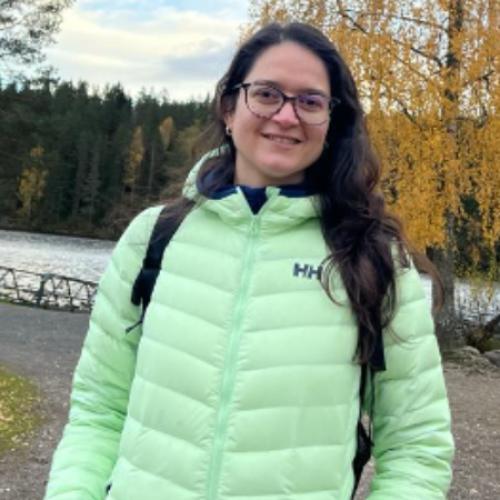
241,384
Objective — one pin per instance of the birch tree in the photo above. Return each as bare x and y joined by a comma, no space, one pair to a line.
427,72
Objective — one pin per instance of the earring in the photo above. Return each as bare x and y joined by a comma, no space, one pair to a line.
229,132
326,145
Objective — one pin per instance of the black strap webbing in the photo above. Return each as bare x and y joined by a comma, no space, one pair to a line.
364,436
165,227
364,439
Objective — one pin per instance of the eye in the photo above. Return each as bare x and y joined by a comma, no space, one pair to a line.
312,102
265,95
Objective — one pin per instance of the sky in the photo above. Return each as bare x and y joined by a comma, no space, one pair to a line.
181,47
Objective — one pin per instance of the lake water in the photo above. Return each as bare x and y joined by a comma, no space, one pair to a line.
82,258
86,259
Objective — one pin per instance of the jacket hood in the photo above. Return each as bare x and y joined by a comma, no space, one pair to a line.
190,189
285,205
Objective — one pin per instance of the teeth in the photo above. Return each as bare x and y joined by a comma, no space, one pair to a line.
282,140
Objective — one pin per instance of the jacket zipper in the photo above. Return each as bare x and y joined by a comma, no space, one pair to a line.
228,376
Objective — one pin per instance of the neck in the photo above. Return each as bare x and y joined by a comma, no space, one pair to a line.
257,181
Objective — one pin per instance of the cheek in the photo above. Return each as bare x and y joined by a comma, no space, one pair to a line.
247,129
323,133
319,138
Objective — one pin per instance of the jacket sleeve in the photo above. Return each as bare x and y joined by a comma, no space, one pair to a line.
413,445
88,449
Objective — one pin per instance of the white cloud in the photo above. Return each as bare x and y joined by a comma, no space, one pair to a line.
184,51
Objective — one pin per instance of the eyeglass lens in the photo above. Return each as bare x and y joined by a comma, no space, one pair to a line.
265,101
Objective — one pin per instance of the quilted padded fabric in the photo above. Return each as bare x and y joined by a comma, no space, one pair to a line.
240,384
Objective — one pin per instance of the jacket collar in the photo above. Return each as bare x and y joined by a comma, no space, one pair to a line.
284,207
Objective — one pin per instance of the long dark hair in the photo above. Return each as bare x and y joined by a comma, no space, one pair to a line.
366,242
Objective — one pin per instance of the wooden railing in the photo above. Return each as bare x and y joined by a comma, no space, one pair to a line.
46,290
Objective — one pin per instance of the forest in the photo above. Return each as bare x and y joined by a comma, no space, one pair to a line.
81,161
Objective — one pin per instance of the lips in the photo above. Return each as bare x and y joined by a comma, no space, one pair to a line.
282,139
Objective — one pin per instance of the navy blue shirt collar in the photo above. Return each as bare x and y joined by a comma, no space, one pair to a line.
256,196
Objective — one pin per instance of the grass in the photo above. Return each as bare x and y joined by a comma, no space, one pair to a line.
19,410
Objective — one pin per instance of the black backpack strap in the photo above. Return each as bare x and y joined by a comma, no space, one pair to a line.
364,442
165,227
364,436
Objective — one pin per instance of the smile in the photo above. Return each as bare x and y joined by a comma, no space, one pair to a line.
280,139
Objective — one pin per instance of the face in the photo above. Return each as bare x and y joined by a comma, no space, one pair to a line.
278,150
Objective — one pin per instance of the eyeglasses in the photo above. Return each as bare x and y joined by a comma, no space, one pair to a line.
265,101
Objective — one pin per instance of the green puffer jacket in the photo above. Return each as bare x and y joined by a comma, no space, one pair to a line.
241,383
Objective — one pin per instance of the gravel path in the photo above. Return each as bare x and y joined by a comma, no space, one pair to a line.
44,345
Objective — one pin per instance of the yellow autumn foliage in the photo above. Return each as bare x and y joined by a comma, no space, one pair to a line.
134,158
32,183
166,130
427,73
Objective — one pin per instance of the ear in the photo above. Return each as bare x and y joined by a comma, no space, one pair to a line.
229,119
227,107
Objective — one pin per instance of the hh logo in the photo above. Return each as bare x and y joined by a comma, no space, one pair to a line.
307,271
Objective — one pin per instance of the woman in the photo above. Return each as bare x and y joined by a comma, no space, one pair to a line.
243,380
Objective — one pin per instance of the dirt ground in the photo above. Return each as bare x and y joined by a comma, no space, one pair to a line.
44,345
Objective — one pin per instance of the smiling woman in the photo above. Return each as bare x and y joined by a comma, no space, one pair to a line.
280,301
272,133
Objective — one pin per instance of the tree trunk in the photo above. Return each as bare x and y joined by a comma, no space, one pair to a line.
152,167
93,181
80,174
449,330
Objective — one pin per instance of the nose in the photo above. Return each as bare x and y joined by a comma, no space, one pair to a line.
286,116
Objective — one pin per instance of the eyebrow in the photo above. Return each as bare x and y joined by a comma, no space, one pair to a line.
272,83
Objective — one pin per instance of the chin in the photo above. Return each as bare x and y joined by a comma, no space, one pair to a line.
283,169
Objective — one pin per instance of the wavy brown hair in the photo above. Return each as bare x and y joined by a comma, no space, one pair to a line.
366,242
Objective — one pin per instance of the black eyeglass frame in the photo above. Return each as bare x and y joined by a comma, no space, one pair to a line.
332,102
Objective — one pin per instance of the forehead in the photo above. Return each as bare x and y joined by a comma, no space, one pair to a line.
292,66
